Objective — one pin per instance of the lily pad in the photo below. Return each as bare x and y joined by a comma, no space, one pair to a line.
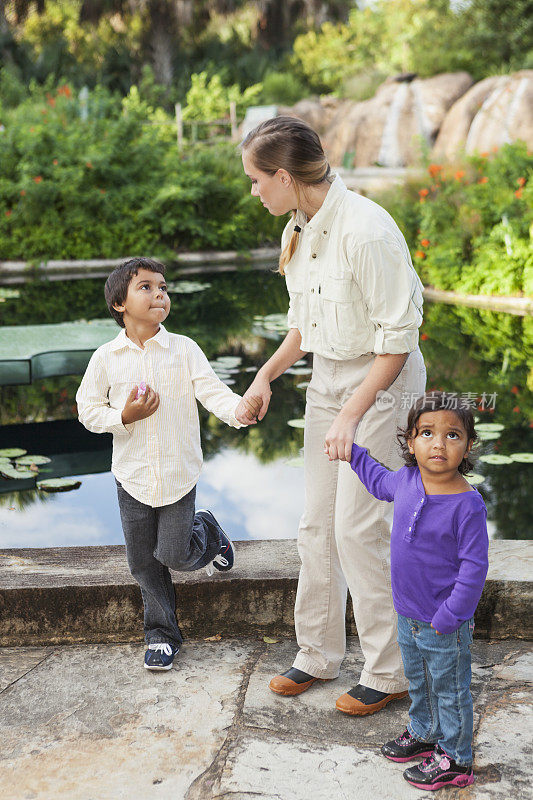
187,287
296,461
522,458
296,423
475,479
303,385
495,458
486,436
8,294
229,361
490,426
58,485
270,640
12,452
10,471
299,370
29,460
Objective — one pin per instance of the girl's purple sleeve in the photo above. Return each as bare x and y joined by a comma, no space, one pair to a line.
473,554
377,479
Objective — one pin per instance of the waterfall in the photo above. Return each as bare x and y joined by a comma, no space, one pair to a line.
478,122
424,125
389,153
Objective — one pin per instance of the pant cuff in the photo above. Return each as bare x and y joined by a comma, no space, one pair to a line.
387,685
306,664
417,735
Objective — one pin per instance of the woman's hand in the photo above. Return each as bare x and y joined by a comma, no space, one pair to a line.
248,409
340,437
256,398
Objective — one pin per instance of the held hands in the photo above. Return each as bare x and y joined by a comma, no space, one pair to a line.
340,437
256,401
139,406
248,409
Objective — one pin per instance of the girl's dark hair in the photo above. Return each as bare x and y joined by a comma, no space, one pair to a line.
291,144
116,286
437,401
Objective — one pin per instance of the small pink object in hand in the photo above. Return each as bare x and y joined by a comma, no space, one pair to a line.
141,389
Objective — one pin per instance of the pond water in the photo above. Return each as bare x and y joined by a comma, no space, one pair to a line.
252,479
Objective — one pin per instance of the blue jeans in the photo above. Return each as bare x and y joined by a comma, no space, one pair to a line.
439,672
157,540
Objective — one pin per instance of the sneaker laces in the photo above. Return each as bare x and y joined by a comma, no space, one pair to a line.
163,647
219,560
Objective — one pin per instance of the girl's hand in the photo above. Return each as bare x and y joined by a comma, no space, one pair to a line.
248,409
258,392
340,437
436,631
137,408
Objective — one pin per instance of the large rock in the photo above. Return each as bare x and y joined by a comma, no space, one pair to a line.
391,128
494,111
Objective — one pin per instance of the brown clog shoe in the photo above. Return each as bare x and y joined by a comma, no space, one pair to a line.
292,682
361,701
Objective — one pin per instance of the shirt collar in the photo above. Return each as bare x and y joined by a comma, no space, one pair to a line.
121,341
323,218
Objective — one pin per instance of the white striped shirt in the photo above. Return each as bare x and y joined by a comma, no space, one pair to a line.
158,459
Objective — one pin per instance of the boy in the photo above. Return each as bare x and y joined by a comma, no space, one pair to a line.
142,387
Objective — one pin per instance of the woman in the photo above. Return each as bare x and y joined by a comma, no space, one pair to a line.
355,303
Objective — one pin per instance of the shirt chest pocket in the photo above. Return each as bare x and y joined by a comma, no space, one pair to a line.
339,300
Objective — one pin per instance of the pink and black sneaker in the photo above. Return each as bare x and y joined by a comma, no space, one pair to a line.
439,770
406,747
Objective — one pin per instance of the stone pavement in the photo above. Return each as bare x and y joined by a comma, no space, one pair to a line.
87,722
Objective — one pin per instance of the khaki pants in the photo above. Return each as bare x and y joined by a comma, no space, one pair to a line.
344,534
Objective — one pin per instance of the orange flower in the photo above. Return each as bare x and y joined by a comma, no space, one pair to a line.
65,91
22,192
38,179
424,337
484,179
50,100
423,192
515,390
420,254
55,162
516,410
485,154
424,242
102,191
8,212
434,170
32,129
518,193
459,174
521,181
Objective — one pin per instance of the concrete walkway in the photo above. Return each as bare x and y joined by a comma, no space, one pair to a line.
87,722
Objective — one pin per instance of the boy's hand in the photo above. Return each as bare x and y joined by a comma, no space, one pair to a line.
248,409
139,408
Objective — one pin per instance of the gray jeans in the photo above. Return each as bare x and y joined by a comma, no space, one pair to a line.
159,539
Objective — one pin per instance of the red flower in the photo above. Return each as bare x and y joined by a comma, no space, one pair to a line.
459,174
515,390
484,179
521,181
424,242
516,410
423,192
8,212
434,170
420,254
38,179
518,193
424,337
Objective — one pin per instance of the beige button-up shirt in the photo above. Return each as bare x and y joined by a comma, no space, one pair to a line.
352,286
158,459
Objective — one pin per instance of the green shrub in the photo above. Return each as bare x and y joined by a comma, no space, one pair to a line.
282,88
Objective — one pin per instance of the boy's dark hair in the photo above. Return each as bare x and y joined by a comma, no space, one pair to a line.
437,401
116,286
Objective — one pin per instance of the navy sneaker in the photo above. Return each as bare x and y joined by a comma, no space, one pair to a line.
439,770
406,747
160,656
225,558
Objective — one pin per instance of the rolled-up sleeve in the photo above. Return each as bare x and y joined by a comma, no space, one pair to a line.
392,292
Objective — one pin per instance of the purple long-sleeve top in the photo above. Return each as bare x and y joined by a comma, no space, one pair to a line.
439,544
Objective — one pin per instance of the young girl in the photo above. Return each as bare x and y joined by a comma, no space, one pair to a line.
439,561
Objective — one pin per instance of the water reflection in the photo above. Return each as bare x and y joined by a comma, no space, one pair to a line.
247,480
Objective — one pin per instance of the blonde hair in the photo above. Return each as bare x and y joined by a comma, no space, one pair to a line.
291,144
